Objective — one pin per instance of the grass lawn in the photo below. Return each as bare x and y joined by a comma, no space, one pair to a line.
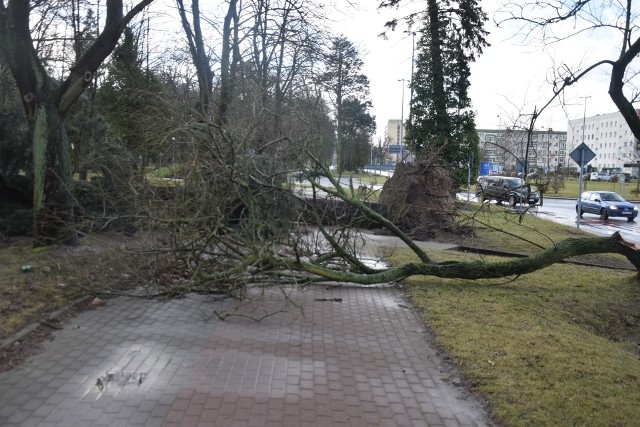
628,190
556,347
570,189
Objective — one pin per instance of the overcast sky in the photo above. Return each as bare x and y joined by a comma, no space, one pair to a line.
509,78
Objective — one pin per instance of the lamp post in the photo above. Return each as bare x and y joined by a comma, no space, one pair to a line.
413,52
584,118
548,149
402,122
584,127
413,55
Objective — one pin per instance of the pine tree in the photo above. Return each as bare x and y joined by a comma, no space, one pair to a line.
441,118
130,99
343,79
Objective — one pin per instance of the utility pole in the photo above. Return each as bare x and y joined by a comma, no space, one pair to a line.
584,119
413,52
402,123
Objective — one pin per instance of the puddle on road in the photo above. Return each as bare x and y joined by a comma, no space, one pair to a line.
120,379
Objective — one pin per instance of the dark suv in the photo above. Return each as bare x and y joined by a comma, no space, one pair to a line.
505,189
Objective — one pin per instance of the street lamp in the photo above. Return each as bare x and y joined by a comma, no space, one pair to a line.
413,55
413,52
584,128
584,116
402,122
549,149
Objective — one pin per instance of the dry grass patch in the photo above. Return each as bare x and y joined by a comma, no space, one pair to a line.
58,275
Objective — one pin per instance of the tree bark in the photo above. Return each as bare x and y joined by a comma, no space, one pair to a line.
478,269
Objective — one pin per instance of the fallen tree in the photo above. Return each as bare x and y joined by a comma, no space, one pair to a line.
238,218
331,254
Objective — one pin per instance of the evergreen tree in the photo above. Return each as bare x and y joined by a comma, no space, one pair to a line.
131,100
441,118
358,129
344,79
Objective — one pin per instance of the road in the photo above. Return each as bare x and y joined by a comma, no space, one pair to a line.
563,211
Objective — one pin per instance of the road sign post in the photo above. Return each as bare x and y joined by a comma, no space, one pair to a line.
581,155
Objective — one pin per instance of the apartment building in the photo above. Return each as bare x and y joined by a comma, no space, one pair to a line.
609,136
396,148
504,150
393,131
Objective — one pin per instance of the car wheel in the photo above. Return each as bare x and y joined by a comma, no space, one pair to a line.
480,197
604,214
512,201
631,219
581,212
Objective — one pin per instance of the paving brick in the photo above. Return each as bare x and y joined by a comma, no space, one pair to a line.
359,362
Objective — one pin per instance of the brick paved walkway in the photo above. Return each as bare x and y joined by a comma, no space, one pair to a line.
353,356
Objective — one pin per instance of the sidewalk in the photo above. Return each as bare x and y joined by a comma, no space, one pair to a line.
347,356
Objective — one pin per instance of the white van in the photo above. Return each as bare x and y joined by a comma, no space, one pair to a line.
599,176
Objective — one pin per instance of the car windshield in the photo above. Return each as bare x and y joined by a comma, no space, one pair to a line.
515,182
611,197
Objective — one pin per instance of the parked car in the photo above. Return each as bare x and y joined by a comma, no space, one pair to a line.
607,204
505,189
600,176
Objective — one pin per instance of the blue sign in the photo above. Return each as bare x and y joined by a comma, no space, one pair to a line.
485,167
395,148
582,154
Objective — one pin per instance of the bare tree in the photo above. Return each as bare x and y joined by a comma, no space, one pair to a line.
556,21
198,52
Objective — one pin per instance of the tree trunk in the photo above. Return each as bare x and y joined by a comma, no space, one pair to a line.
616,86
52,202
479,269
339,143
198,55
437,67
226,85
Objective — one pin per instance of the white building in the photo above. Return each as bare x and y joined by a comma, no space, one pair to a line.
609,136
506,149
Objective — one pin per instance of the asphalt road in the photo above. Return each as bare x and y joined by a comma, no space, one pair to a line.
563,211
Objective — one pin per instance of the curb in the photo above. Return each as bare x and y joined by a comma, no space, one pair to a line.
12,339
